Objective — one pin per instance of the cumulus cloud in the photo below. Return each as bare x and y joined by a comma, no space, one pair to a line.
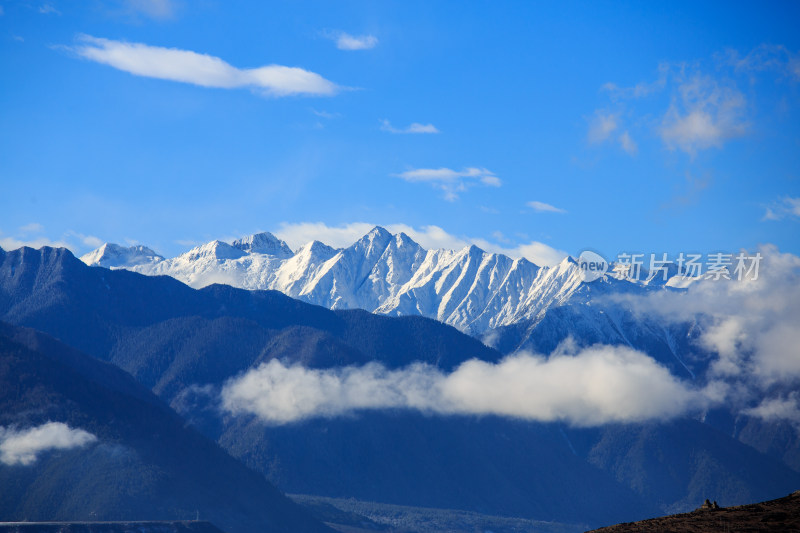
23,447
751,324
542,207
595,386
430,237
345,41
747,327
706,115
201,69
414,127
705,106
452,182
786,207
695,106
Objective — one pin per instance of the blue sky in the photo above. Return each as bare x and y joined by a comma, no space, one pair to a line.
526,127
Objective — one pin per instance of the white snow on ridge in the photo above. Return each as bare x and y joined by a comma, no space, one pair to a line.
470,289
115,256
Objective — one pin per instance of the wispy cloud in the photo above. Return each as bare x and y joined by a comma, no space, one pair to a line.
414,127
33,227
48,9
700,104
627,143
155,9
786,207
326,114
594,386
201,69
601,126
22,447
345,41
767,58
778,409
87,240
452,182
8,242
30,235
542,207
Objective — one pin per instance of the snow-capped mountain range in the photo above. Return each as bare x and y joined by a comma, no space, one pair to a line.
471,289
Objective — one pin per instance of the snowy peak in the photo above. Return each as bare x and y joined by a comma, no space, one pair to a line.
263,243
112,255
316,249
213,250
373,243
471,289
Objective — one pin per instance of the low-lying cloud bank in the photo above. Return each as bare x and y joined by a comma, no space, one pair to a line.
595,386
24,446
750,328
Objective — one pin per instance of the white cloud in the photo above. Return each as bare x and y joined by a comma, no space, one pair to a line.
12,243
299,233
33,227
767,57
86,240
429,237
451,181
601,126
703,107
706,114
786,207
414,127
595,386
24,446
749,327
156,9
326,114
201,69
627,143
542,207
776,409
536,252
48,9
345,41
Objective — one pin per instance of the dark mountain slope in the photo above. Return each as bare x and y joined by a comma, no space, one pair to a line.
666,468
145,464
184,344
781,515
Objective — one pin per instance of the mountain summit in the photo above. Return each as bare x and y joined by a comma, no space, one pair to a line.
115,256
263,243
484,294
